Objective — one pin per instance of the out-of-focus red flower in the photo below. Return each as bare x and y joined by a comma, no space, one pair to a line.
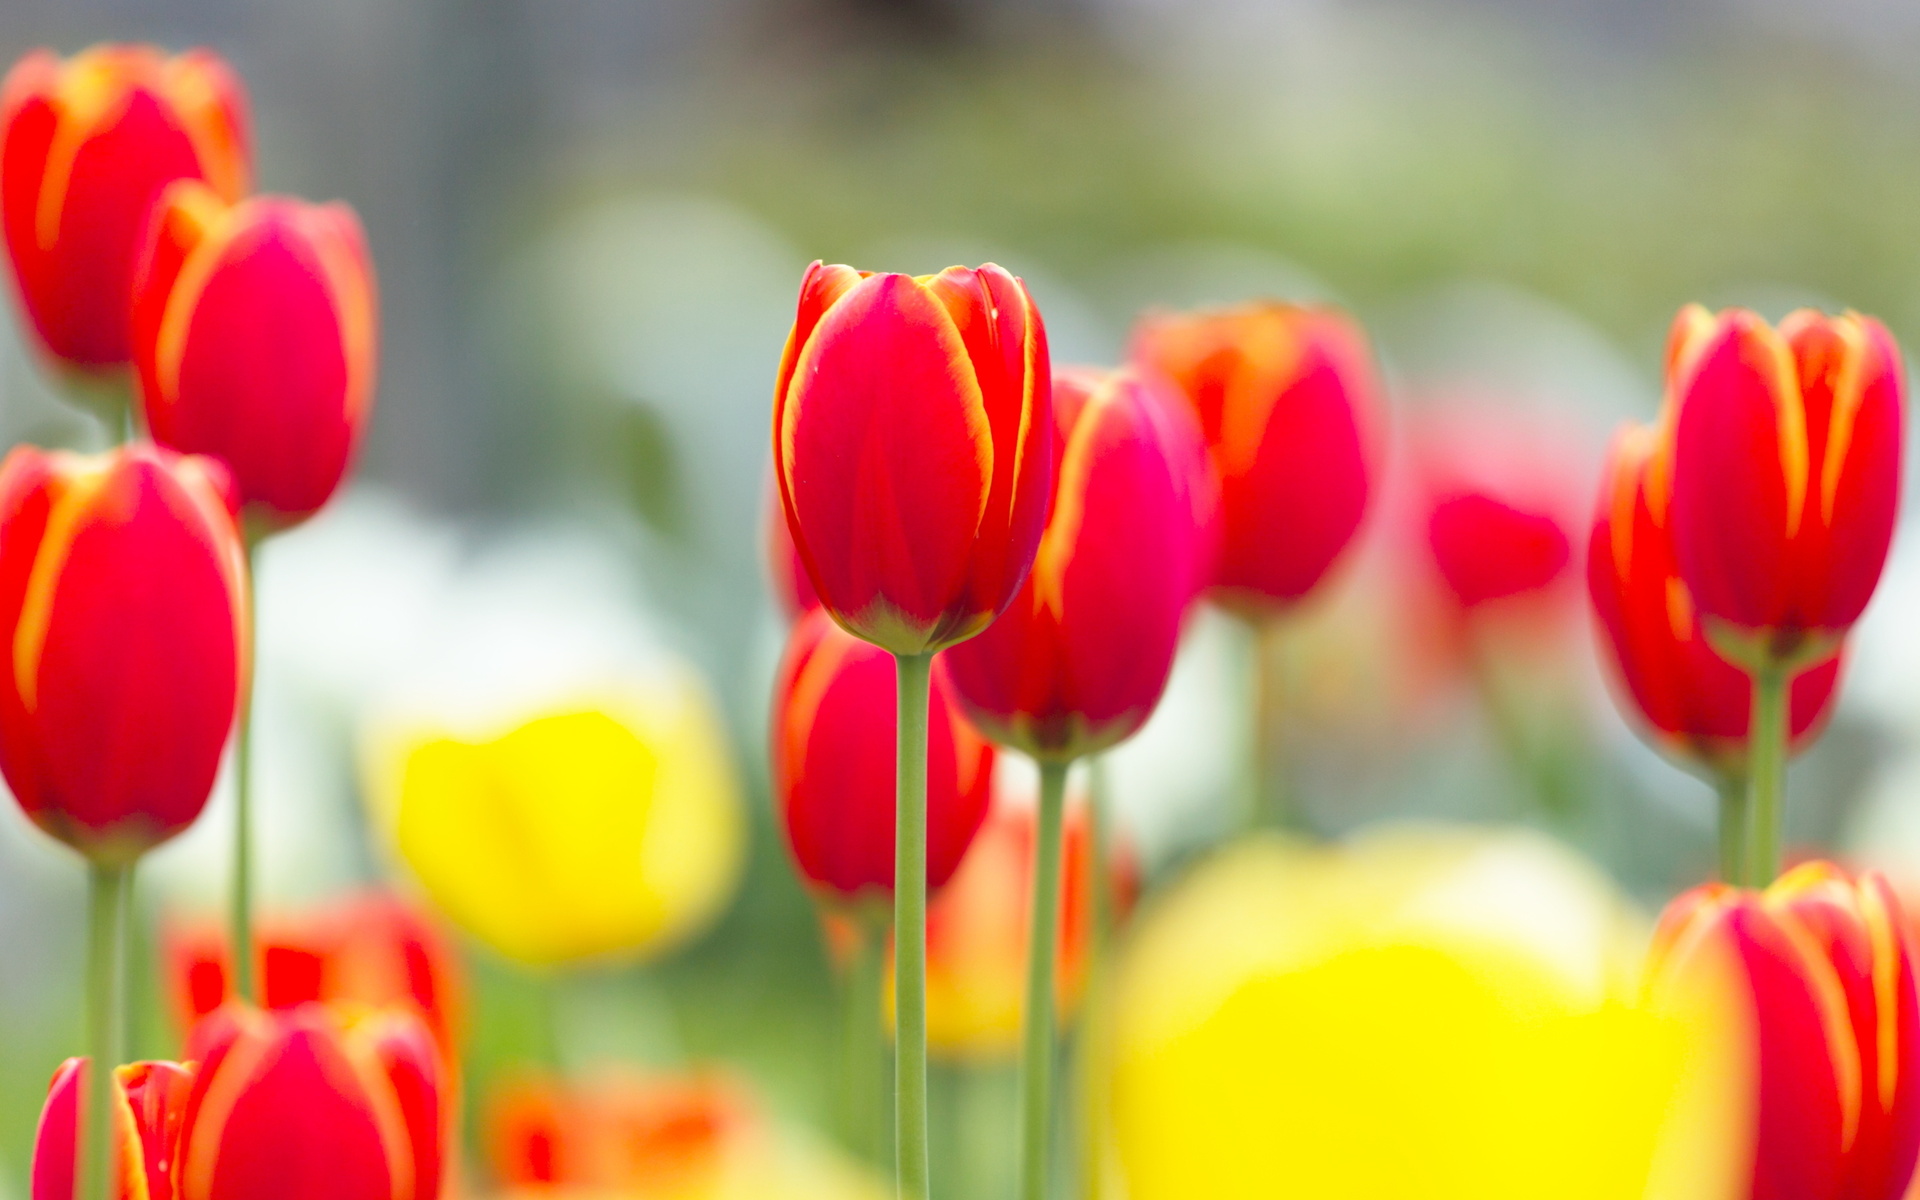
370,949
912,441
667,1136
1785,471
1079,659
1690,701
1286,397
148,1107
1822,965
86,147
306,1104
1487,549
833,764
785,569
254,332
977,928
123,597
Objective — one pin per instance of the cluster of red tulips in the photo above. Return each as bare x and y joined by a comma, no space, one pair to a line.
226,342
1045,531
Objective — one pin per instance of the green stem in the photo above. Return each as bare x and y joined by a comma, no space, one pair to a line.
1767,742
242,920
105,1024
862,1037
1043,940
1100,881
910,926
1272,806
1732,789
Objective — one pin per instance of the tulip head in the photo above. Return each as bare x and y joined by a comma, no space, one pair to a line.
86,147
594,831
254,333
833,764
1079,659
1822,978
148,1107
1286,397
912,442
1785,474
1487,549
123,599
1691,702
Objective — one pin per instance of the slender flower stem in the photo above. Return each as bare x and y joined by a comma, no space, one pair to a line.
1043,940
1271,805
1732,789
242,919
863,1038
105,1024
1767,738
915,674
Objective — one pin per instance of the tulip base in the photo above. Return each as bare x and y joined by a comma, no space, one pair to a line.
106,1022
913,684
1767,738
1043,939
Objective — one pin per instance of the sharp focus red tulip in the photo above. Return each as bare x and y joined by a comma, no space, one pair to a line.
1286,397
833,764
1079,659
1785,471
308,1104
1487,549
254,331
123,599
1823,971
1691,701
86,146
149,1105
371,949
912,442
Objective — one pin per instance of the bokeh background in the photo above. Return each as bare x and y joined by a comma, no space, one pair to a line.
589,218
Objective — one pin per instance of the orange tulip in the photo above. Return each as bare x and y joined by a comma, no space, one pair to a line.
86,147
254,332
123,598
912,441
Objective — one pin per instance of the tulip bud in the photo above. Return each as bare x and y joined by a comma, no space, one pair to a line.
1286,397
86,147
1785,474
254,332
148,1107
123,598
309,1105
1823,985
1079,659
1692,702
833,764
912,444
1487,549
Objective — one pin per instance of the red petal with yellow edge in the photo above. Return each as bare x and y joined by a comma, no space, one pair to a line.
148,1103
407,1054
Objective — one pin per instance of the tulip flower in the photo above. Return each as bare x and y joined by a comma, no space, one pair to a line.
254,333
1784,470
149,1102
1079,659
1421,1012
371,949
1286,397
86,147
585,833
1688,700
912,444
1822,977
1487,549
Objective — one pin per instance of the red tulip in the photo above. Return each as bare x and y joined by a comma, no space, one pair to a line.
1487,549
833,764
1822,978
1080,658
912,444
254,331
306,1104
1785,472
149,1104
667,1136
1692,702
369,949
1286,397
86,147
123,598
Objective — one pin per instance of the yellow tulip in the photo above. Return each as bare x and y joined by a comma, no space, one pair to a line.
1420,1013
604,830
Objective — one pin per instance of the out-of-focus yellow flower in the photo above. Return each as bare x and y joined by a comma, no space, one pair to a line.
1421,1013
588,831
